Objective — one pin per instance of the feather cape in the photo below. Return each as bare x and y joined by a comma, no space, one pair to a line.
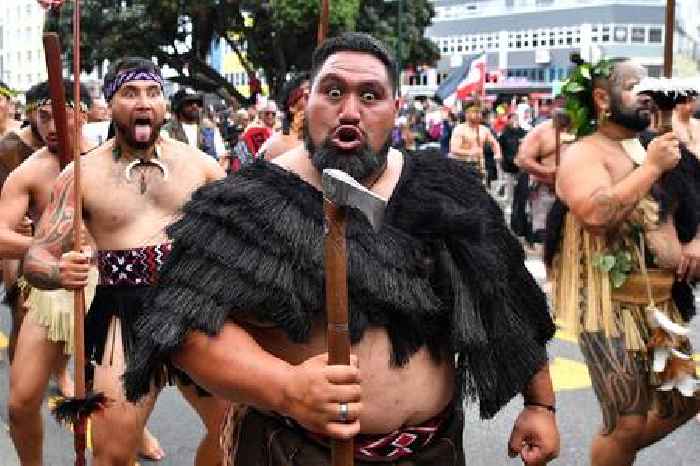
443,272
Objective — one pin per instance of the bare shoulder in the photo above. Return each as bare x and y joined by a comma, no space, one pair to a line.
177,151
298,162
9,142
582,164
39,165
583,152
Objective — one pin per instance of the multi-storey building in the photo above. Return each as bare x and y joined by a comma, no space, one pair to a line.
22,61
528,43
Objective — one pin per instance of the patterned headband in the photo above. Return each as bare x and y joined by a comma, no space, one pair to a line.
69,103
122,78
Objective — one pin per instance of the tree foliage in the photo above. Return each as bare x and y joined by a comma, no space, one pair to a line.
275,36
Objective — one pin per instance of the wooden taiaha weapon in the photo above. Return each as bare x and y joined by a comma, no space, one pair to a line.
340,192
323,21
79,294
75,410
560,120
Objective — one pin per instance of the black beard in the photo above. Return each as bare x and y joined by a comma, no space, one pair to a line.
127,135
361,163
630,119
190,117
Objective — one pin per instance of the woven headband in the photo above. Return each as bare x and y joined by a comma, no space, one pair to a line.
124,77
69,103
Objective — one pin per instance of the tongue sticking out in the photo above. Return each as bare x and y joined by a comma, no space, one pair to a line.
142,133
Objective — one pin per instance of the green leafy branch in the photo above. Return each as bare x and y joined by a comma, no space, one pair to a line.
578,92
617,264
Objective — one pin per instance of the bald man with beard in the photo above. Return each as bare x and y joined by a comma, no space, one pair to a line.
623,314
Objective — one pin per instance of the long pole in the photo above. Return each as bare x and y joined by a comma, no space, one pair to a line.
79,295
336,259
323,22
668,44
399,48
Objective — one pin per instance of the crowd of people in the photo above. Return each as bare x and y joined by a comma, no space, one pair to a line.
203,263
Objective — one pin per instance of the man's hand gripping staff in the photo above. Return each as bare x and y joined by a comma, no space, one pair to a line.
74,410
342,392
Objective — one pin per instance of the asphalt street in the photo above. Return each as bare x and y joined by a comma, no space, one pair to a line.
179,430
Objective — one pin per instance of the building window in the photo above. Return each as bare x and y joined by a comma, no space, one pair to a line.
620,34
655,35
638,34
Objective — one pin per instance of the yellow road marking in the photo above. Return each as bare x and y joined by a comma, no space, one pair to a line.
568,374
3,341
565,336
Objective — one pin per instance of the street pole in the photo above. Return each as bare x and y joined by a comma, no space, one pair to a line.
399,48
668,43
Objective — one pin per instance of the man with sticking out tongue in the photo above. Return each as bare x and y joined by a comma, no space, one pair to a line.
132,187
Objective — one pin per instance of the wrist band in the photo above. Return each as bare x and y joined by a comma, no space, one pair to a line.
549,408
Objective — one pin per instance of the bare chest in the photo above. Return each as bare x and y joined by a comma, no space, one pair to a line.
113,200
618,164
472,136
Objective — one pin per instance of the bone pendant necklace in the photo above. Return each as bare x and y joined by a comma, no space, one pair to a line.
154,162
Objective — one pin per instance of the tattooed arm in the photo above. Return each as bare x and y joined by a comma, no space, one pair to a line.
600,203
46,265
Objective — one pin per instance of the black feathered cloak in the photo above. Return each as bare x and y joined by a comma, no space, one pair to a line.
443,272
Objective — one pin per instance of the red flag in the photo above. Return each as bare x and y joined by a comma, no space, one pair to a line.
48,4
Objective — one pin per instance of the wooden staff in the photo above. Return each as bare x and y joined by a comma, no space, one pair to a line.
336,257
668,44
54,66
323,22
79,294
74,410
341,192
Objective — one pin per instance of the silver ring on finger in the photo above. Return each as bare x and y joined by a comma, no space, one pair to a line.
344,411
